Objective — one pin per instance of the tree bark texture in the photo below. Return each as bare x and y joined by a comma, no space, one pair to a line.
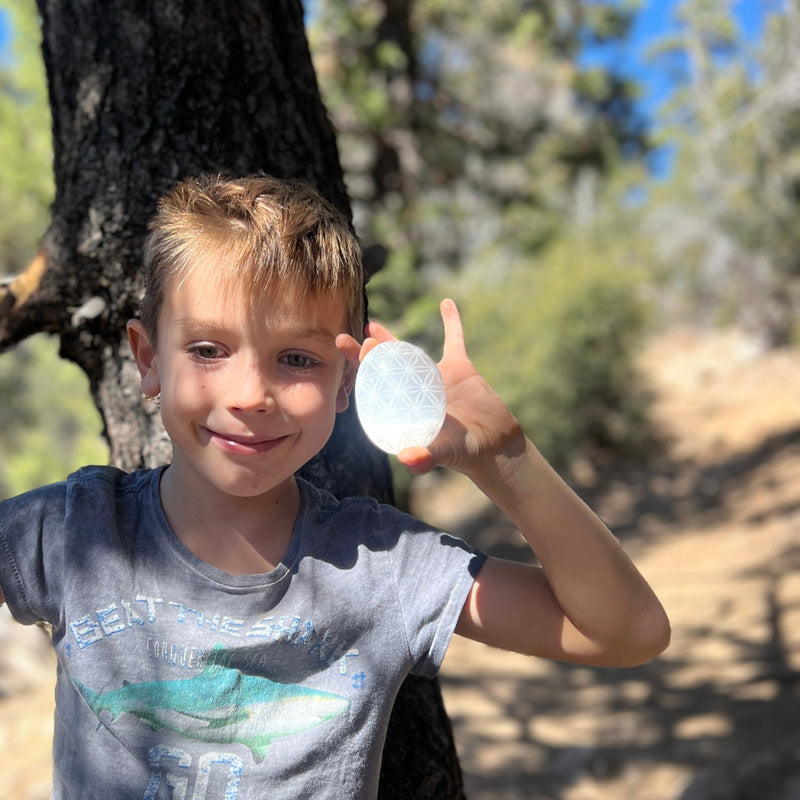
144,94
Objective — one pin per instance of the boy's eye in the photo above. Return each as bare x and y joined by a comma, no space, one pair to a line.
298,360
205,350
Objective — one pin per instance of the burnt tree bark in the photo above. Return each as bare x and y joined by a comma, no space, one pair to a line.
142,95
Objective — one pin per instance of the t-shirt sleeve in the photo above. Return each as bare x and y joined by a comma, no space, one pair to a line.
433,573
31,544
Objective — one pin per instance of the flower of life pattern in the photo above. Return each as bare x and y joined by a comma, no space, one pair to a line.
400,397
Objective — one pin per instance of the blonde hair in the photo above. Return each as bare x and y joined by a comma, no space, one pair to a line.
257,231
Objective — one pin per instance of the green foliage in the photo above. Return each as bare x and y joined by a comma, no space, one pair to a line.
726,224
559,344
394,287
463,123
55,427
26,179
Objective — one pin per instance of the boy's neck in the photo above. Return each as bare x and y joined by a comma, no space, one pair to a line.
240,536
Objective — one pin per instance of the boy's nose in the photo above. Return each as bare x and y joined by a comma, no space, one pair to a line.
252,392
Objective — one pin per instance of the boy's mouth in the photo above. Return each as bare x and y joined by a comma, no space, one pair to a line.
244,445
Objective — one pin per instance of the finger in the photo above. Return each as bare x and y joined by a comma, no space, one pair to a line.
370,343
348,347
454,345
352,350
417,460
377,331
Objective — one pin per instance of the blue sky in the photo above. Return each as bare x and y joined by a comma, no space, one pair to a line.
656,19
3,30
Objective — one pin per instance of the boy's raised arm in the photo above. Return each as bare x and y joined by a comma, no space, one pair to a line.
587,602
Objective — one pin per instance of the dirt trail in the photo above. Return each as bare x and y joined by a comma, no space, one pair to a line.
712,522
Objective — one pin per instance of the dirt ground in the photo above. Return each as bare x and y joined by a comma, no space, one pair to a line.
712,521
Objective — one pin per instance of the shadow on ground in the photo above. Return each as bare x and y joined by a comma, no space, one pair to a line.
715,718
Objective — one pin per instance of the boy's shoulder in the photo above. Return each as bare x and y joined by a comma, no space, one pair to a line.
86,482
353,521
327,506
114,476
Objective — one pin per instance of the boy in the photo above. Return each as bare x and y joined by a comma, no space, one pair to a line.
223,628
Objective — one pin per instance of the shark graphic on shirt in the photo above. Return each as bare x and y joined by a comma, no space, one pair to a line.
221,705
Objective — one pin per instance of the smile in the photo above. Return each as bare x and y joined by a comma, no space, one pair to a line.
244,445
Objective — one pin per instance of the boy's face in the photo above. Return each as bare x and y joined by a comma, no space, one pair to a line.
249,388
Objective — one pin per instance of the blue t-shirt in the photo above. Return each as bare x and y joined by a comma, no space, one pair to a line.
177,680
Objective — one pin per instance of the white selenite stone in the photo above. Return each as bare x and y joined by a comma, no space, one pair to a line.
400,396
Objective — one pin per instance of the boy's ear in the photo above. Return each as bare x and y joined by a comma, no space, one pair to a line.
345,387
145,356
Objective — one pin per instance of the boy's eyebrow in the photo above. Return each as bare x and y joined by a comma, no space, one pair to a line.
317,333
190,323
193,323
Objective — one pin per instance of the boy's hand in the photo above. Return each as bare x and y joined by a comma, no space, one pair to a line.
478,427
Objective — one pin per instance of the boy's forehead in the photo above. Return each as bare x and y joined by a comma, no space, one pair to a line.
224,288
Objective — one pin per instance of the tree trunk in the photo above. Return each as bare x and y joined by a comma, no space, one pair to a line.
142,95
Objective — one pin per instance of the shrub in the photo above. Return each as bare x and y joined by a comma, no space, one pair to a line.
559,342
